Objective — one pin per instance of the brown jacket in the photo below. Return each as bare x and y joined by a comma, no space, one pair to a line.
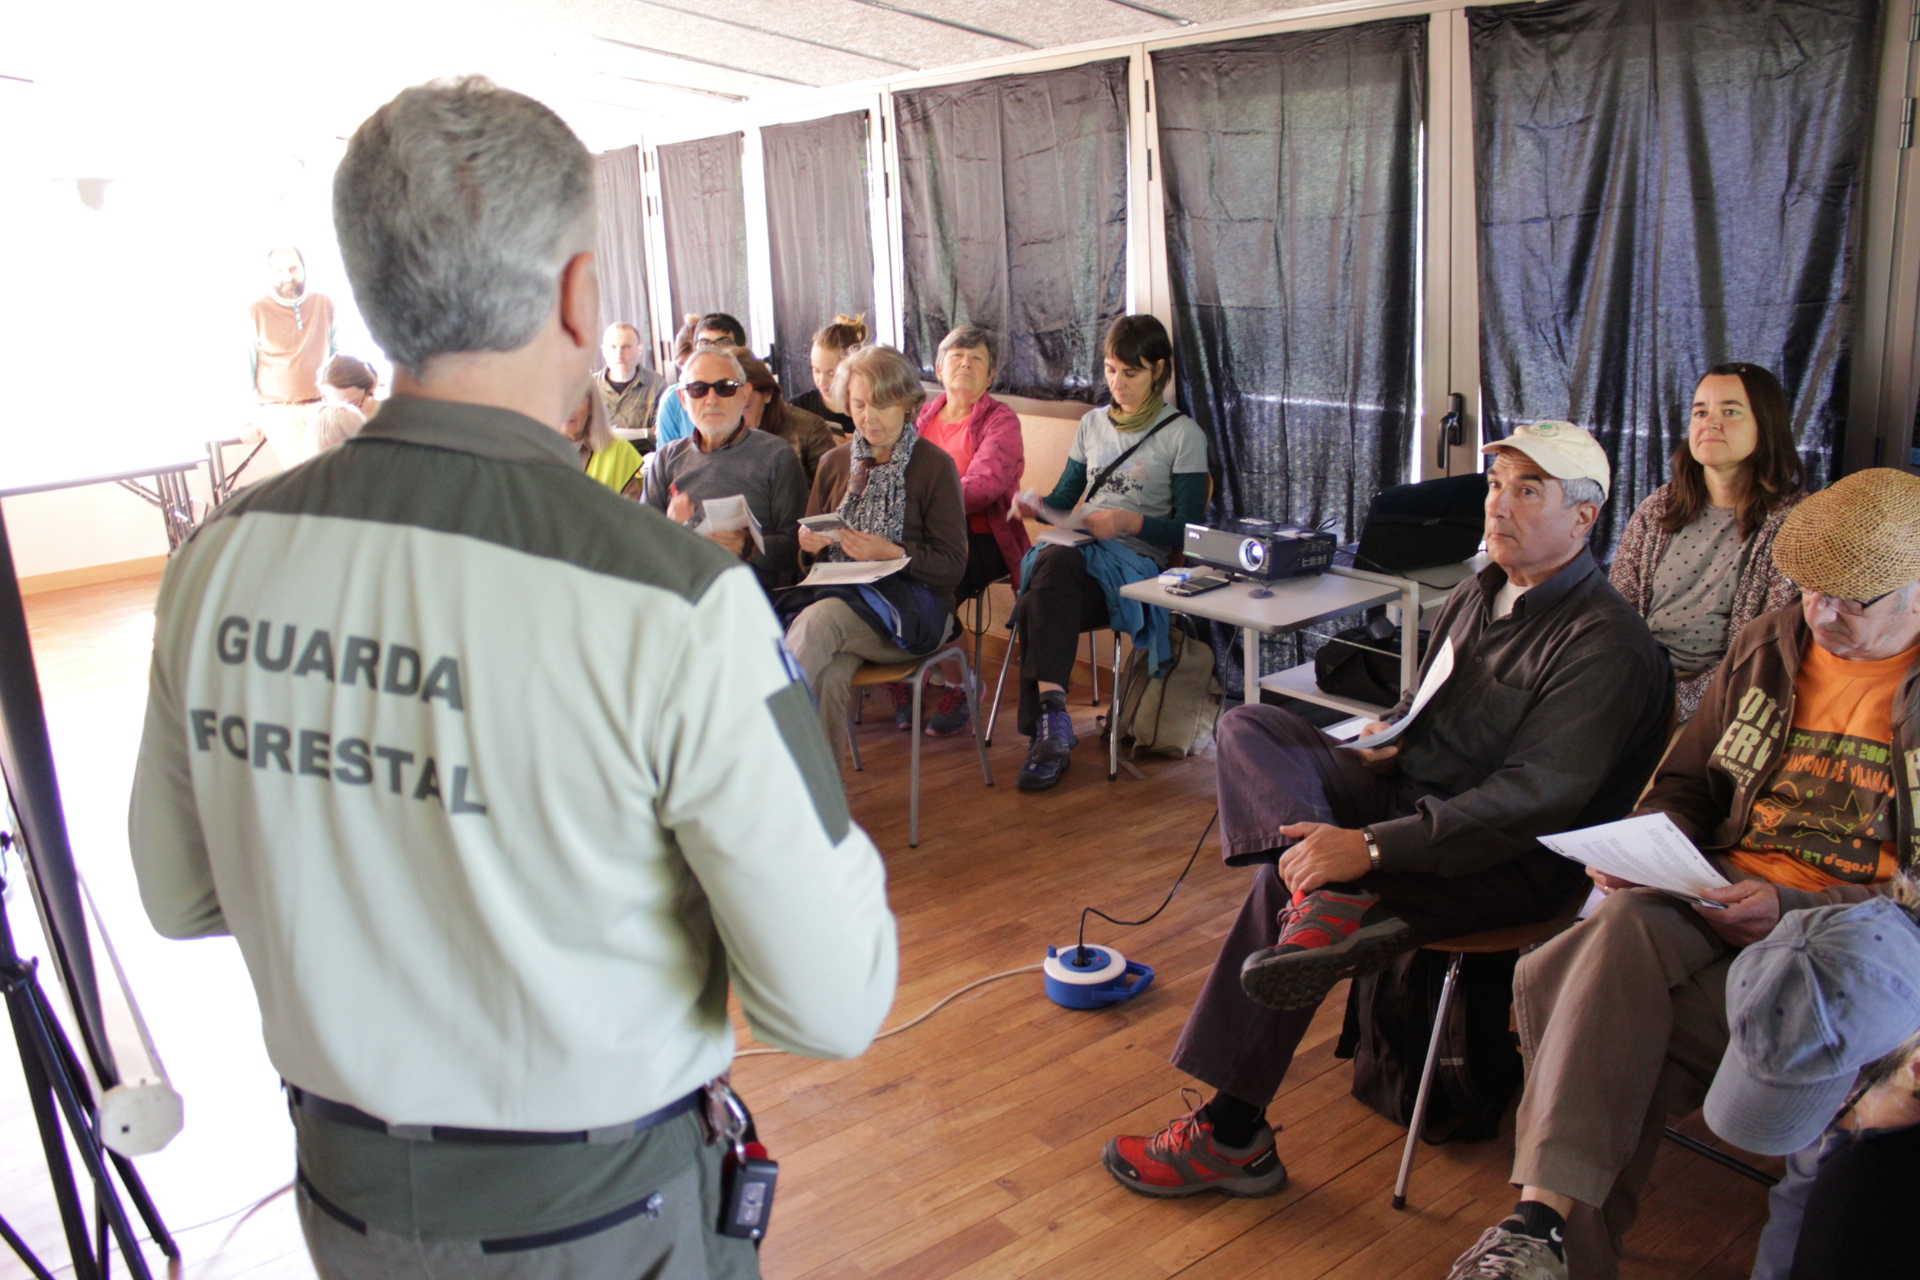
935,535
1723,758
806,432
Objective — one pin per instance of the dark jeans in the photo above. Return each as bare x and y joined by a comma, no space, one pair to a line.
1275,769
985,565
1061,603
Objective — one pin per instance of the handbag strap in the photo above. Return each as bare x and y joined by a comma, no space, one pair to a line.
1107,471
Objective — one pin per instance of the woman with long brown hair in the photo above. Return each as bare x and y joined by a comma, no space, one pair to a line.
767,411
1697,557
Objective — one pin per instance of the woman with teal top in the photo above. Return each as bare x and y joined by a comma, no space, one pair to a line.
1138,471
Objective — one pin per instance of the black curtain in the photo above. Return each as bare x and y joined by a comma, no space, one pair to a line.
1292,177
1664,187
822,241
705,216
621,255
1013,195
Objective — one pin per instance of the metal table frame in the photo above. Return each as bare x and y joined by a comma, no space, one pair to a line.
1302,602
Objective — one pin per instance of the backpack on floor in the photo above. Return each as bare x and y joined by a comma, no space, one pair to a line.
1174,715
1389,1023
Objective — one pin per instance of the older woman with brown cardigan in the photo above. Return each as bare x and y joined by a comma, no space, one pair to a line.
1697,557
896,496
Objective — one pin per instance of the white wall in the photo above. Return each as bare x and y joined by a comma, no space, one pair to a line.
78,528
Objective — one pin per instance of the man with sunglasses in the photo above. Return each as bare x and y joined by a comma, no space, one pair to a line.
723,458
1797,777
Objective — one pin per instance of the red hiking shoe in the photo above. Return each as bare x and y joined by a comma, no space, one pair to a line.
1322,941
901,693
951,718
1183,1160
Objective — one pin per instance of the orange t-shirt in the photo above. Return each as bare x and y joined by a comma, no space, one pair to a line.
953,437
1826,816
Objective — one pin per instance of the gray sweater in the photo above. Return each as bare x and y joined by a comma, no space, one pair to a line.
759,467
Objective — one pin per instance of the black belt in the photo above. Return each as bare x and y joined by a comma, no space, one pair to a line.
341,1113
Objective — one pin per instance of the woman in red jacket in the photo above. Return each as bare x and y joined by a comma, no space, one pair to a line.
983,438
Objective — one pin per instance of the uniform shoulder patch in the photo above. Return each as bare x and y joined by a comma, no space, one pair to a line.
799,723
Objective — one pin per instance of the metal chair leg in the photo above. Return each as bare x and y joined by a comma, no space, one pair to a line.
972,685
1426,1083
1093,661
980,620
913,784
853,738
1113,717
1000,686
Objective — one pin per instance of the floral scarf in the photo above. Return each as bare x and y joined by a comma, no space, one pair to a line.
876,499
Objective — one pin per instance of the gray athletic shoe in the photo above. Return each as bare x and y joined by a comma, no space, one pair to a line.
1504,1254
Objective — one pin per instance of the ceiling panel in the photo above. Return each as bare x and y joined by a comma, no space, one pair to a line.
752,46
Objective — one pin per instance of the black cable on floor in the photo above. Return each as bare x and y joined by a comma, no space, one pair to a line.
1080,951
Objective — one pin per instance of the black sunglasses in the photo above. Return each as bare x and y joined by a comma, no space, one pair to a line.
725,390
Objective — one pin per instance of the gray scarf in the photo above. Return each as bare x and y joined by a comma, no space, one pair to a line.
876,499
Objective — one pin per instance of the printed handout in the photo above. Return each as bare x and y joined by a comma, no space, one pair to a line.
1437,672
851,573
1648,850
724,515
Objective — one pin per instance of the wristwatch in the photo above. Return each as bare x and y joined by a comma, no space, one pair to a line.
1373,849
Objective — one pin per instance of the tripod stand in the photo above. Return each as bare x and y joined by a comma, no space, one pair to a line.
58,1087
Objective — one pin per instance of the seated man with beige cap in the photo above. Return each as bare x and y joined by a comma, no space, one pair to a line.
1553,716
1795,778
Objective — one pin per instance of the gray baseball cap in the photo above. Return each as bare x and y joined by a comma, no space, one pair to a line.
1830,990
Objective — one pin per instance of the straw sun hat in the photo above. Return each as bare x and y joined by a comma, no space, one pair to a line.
1856,539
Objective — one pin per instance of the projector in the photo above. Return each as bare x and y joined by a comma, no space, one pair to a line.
1255,548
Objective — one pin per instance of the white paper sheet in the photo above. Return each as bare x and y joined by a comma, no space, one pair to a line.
847,573
827,526
1058,519
724,515
1647,850
1437,672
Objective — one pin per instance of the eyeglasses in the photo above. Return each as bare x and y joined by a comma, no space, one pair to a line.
1851,608
698,390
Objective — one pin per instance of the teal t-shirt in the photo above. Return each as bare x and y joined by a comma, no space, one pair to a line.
1144,483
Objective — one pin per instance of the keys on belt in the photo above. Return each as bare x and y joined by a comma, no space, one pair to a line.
747,1176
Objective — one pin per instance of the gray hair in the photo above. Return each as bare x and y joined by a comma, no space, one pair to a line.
967,338
722,349
891,379
457,206
1583,489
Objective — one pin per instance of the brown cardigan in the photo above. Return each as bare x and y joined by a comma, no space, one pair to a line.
935,533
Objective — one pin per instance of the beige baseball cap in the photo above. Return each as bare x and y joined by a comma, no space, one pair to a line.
1564,451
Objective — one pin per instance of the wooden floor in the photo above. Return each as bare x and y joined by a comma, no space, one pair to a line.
966,1147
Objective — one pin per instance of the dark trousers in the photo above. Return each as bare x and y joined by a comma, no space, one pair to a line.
1061,603
985,565
1275,769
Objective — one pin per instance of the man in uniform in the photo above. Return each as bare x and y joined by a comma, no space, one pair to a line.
500,781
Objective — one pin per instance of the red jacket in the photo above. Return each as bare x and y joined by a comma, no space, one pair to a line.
993,477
